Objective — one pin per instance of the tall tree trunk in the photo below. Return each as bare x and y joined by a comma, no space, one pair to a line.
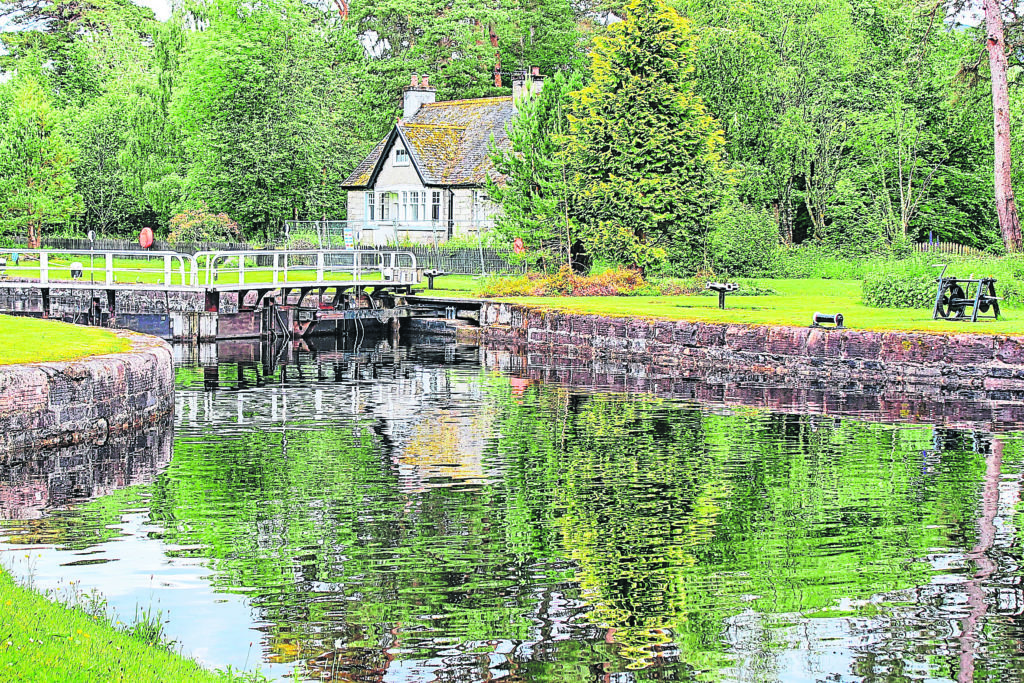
1006,205
497,55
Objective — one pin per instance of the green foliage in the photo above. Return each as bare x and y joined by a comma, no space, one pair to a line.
845,120
900,285
461,43
534,197
100,132
645,152
269,105
744,242
201,225
612,282
36,184
50,642
817,261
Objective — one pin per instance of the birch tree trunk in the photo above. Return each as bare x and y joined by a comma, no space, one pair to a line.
1006,205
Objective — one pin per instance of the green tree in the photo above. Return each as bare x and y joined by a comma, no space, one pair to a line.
645,152
534,193
267,99
466,45
100,132
36,184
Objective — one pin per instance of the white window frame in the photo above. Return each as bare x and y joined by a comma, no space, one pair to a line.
401,156
435,205
385,205
414,205
480,200
371,213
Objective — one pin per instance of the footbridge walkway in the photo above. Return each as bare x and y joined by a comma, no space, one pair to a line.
212,295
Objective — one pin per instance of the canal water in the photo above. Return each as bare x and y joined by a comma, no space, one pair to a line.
415,513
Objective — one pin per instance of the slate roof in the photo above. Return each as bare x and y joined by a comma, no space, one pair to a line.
447,141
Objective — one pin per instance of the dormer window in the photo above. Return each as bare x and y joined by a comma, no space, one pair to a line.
401,157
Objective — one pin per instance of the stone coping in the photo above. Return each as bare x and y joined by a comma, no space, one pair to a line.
65,402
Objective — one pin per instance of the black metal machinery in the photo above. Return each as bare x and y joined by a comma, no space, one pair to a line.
953,297
723,288
822,319
431,274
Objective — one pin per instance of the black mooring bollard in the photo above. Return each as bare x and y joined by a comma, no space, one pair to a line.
821,319
723,288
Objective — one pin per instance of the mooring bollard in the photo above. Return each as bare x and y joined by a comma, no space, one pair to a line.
822,319
723,288
431,274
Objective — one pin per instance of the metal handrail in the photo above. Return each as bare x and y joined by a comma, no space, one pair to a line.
306,266
15,261
296,266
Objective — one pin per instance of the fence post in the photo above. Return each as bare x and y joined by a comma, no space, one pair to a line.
109,268
276,255
167,269
241,269
44,267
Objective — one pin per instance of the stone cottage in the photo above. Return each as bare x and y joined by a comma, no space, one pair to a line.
427,179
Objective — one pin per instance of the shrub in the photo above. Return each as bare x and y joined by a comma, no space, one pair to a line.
613,282
819,262
200,225
745,242
900,284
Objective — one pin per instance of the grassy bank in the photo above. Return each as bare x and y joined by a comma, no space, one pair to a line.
793,303
43,641
31,340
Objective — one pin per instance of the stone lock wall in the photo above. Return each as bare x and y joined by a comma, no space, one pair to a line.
61,403
966,366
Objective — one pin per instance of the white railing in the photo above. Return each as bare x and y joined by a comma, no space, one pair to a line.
99,267
311,266
306,266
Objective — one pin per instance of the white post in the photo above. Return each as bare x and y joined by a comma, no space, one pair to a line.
167,269
109,268
241,269
276,255
44,267
320,266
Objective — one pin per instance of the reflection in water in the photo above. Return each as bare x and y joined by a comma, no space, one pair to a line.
31,482
411,514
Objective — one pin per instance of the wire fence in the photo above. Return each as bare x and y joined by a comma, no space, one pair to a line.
114,244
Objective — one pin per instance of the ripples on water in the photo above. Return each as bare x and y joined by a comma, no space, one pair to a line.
410,515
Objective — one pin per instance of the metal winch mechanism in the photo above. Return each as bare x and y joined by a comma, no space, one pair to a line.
954,296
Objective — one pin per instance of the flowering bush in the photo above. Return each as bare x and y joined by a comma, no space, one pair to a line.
617,282
200,225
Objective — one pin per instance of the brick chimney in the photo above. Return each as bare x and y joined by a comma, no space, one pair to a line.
526,83
416,94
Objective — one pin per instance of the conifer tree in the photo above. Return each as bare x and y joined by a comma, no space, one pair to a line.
534,194
645,152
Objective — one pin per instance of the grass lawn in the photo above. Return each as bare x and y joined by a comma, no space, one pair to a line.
43,641
31,340
794,304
